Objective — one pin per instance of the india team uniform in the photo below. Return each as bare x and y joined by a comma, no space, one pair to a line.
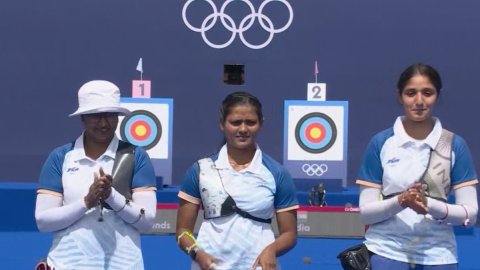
261,189
394,161
88,243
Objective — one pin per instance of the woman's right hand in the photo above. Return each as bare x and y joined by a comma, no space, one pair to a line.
99,190
91,199
205,260
414,198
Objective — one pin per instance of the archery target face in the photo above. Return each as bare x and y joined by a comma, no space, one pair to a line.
147,126
141,128
315,132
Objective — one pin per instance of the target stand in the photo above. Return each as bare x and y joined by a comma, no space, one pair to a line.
315,143
150,126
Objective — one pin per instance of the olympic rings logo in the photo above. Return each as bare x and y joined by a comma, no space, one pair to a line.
314,169
245,24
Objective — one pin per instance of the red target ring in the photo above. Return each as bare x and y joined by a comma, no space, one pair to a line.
315,133
140,130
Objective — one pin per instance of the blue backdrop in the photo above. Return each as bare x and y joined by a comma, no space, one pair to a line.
48,49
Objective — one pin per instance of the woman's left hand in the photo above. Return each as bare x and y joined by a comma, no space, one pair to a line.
205,260
267,259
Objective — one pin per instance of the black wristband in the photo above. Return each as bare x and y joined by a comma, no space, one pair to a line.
193,253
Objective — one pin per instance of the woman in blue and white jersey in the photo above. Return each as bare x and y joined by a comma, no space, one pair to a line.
240,189
406,177
95,197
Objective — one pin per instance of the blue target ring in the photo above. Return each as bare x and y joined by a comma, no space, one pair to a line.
141,128
315,132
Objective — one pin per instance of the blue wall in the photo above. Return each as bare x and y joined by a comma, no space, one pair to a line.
48,49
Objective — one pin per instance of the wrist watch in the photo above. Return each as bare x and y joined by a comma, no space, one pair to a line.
193,252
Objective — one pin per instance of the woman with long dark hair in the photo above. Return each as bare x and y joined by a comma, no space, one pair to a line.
406,177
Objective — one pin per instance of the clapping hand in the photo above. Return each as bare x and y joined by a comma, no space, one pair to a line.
99,190
103,184
415,199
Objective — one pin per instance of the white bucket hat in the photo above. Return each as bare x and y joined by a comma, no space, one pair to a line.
98,97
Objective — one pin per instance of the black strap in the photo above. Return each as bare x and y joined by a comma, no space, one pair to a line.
385,197
229,207
247,215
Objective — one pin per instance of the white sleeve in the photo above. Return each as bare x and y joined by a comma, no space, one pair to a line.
51,215
373,209
463,212
140,212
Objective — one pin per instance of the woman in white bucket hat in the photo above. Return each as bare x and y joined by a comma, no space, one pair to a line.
97,194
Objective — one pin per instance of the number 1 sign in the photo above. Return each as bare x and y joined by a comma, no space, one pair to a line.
141,89
316,91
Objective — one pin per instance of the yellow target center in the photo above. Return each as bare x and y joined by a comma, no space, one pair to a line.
140,130
315,133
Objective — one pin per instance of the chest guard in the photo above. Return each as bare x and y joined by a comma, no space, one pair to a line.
437,176
215,199
122,171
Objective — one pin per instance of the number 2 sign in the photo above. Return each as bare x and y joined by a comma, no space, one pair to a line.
316,91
